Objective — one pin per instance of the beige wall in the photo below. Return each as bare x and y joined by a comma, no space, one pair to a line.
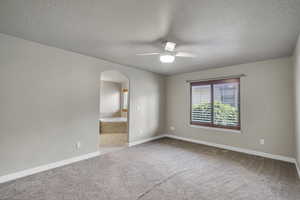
110,99
49,100
297,98
266,107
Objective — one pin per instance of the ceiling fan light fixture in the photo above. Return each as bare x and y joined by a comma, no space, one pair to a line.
170,46
167,58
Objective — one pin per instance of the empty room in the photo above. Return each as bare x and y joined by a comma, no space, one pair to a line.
150,100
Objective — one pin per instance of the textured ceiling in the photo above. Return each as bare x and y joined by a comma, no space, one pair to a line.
221,33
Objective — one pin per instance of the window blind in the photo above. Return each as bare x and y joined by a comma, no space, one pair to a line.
216,103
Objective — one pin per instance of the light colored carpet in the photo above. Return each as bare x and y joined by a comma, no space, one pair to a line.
165,169
104,150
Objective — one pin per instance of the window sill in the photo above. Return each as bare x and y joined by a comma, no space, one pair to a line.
216,129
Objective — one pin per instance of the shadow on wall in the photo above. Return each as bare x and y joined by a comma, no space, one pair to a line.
148,110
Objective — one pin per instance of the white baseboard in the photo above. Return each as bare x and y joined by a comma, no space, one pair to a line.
146,140
42,168
31,171
46,167
237,149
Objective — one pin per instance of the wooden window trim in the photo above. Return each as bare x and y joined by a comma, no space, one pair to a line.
212,83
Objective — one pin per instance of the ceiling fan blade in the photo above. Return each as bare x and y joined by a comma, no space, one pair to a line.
186,54
147,54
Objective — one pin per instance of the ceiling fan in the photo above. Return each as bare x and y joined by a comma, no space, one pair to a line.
169,53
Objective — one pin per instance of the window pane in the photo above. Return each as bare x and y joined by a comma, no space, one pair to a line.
201,104
226,104
125,99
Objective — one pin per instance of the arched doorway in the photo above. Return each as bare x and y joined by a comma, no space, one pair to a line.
114,111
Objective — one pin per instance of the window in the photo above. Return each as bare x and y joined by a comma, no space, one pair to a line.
216,103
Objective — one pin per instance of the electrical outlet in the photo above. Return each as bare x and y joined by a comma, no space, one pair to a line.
262,141
141,131
78,145
172,128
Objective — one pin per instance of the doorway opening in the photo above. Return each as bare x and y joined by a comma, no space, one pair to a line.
114,111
